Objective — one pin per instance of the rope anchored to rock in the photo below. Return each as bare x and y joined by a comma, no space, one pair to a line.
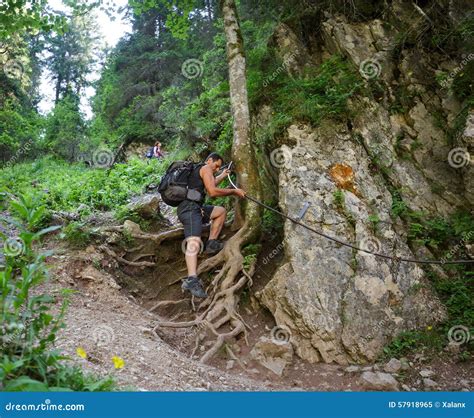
396,259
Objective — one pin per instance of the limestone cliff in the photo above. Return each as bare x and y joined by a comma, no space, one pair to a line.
339,304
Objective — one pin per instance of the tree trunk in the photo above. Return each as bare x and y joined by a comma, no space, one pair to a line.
58,89
209,10
220,309
242,149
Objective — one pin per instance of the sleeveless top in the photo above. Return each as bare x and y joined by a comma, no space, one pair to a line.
195,181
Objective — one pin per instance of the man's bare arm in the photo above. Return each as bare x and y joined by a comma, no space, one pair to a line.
211,186
222,176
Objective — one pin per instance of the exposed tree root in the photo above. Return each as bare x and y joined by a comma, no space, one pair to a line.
218,314
137,233
122,260
135,249
220,309
140,256
168,303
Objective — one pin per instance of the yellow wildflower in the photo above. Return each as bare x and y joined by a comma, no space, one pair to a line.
118,362
81,352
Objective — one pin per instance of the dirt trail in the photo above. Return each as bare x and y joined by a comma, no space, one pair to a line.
106,320
106,323
108,316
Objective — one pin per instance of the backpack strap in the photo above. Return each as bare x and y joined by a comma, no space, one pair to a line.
198,166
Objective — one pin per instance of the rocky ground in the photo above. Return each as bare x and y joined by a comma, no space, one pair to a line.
106,321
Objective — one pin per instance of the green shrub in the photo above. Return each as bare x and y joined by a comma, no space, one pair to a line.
321,93
250,253
77,234
338,196
374,221
409,341
446,238
399,207
61,186
29,327
272,222
19,131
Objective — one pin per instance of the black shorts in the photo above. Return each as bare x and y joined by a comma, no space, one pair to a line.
193,216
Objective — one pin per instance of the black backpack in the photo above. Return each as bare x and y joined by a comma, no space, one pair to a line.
149,153
173,186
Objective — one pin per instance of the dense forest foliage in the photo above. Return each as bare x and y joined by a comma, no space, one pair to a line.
167,79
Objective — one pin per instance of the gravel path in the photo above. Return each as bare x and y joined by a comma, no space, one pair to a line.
106,323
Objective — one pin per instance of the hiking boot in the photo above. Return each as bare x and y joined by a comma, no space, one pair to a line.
213,247
194,285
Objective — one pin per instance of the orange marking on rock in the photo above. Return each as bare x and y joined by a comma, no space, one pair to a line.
343,175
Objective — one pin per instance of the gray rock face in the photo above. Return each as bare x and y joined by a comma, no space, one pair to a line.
423,172
365,44
379,381
466,158
274,355
342,306
147,206
290,50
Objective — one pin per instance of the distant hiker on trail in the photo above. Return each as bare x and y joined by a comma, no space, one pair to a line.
193,214
157,153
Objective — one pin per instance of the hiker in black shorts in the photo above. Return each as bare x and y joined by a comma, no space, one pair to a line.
194,214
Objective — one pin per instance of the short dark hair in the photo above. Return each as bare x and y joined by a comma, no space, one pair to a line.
215,157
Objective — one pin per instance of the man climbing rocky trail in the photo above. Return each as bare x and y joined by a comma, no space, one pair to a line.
196,180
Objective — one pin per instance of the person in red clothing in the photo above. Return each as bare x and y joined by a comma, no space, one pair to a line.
157,152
